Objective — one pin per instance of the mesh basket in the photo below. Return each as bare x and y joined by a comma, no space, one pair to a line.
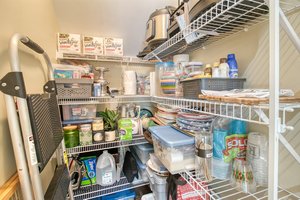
192,88
74,88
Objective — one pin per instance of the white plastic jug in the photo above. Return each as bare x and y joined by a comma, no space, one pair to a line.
106,169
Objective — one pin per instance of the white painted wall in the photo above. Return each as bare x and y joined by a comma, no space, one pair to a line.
109,18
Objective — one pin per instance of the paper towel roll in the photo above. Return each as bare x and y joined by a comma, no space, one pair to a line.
129,82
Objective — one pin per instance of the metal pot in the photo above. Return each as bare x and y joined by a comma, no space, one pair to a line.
157,25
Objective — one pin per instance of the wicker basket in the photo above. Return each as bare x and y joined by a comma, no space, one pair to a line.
74,88
192,88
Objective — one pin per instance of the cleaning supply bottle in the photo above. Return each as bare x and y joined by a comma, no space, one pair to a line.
224,68
106,169
233,67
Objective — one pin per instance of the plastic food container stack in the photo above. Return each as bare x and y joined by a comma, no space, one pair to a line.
158,185
143,152
174,149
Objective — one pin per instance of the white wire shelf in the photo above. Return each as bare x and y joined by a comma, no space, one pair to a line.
224,19
89,192
222,189
136,140
250,113
91,57
104,100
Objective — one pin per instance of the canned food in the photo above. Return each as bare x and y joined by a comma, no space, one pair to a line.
85,135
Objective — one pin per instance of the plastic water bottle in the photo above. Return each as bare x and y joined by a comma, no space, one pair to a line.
257,155
106,169
233,67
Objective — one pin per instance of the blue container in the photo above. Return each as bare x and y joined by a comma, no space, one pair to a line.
233,67
124,195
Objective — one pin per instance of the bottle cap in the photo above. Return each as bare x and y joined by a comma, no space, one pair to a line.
230,56
223,60
207,66
216,64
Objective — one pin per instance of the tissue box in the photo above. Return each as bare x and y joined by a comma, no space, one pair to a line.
92,45
113,47
68,43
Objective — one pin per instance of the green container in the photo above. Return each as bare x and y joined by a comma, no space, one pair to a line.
71,136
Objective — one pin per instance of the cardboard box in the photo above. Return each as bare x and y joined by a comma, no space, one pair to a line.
92,45
113,47
68,43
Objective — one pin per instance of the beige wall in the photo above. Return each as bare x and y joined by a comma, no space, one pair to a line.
37,20
251,49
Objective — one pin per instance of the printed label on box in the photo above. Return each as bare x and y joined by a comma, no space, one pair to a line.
113,47
68,43
93,45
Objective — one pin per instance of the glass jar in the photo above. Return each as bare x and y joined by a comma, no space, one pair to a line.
71,136
203,157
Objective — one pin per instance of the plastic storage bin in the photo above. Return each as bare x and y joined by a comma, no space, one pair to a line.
143,151
192,88
74,88
124,195
175,150
142,167
77,112
158,185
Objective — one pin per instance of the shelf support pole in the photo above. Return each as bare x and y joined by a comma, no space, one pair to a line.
274,98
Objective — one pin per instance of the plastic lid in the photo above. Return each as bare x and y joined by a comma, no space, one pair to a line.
165,64
216,64
145,147
70,128
138,161
171,137
231,55
207,66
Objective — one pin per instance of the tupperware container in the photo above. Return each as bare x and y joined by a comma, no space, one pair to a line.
173,148
78,112
158,185
141,167
143,151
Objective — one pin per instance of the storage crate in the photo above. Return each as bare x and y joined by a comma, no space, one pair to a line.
78,112
74,88
192,88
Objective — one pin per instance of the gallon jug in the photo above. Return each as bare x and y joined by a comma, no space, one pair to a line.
106,169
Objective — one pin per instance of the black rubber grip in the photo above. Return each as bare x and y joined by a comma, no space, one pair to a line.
34,46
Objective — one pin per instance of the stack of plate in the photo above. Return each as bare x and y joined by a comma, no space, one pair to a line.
166,114
193,122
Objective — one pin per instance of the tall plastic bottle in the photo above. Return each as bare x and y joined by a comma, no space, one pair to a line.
224,68
233,67
220,168
106,169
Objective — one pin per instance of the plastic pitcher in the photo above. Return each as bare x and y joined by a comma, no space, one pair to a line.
106,169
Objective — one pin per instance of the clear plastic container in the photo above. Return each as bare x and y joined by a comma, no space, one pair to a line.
221,169
242,176
143,151
203,156
174,149
106,169
158,185
76,112
257,155
166,77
